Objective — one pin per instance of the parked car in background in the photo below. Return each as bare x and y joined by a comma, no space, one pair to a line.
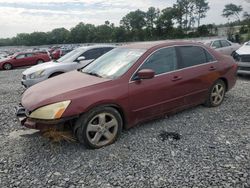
223,46
75,59
242,57
3,55
23,59
129,85
59,53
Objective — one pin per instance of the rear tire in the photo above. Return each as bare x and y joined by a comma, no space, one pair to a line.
216,94
7,66
99,127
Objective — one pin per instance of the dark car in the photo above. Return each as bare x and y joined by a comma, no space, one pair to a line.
129,85
23,59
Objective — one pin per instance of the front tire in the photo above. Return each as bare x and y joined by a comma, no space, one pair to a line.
7,66
99,127
216,94
40,61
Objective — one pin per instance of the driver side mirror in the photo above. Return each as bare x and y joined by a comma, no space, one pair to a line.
81,58
145,74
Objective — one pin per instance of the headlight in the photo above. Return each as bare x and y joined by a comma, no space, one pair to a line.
49,112
37,74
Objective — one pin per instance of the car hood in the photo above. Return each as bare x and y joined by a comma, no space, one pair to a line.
42,66
57,89
4,59
244,50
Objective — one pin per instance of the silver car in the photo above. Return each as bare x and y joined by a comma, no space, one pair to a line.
223,46
75,59
242,57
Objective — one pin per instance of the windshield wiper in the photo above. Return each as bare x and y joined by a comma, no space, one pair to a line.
93,74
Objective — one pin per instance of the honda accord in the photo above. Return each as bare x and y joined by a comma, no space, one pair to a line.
129,85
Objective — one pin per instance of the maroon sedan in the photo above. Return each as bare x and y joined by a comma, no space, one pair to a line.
23,59
129,85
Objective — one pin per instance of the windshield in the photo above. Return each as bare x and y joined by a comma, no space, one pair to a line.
71,56
114,63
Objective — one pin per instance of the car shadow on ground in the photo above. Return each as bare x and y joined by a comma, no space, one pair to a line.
244,77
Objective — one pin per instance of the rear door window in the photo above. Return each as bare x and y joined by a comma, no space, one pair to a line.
162,61
216,44
191,56
29,55
225,43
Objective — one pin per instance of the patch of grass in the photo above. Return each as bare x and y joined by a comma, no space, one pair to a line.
58,136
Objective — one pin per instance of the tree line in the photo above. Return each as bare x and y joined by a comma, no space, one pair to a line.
181,20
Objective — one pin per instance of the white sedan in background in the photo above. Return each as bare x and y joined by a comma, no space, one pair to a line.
75,59
242,57
223,46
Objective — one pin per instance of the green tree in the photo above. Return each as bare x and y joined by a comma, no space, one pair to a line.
58,36
152,15
184,13
135,22
201,8
164,24
178,12
232,10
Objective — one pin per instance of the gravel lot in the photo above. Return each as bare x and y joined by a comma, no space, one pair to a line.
214,149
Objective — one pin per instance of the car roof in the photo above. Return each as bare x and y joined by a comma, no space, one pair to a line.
97,46
153,44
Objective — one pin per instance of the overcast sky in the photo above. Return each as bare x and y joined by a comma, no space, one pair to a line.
26,16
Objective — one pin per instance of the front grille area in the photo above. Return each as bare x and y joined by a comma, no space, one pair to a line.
244,58
244,68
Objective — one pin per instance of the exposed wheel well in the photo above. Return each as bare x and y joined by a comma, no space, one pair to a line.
118,108
55,74
225,81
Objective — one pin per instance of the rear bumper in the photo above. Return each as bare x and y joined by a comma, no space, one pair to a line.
22,116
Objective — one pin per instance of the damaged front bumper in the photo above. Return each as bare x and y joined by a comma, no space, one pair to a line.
23,117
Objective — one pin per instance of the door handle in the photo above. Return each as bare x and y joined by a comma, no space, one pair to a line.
212,68
176,78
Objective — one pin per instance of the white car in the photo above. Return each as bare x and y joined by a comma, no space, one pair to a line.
242,57
75,59
3,55
223,46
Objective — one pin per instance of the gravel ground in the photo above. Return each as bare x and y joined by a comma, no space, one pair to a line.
213,151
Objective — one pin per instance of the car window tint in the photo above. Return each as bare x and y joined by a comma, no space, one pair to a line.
191,56
93,54
20,56
225,43
163,60
105,50
29,55
216,44
209,57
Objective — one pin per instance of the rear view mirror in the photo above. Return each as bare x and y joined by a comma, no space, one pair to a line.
145,74
81,58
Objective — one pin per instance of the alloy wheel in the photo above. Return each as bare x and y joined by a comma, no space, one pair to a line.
102,129
7,66
218,93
